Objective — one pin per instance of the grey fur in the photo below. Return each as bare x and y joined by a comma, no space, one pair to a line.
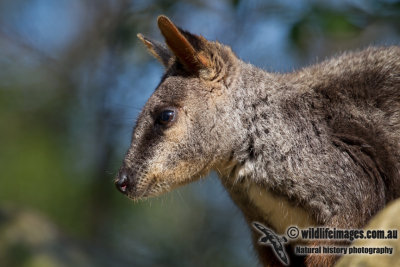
326,138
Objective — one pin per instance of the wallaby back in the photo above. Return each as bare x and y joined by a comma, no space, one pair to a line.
320,146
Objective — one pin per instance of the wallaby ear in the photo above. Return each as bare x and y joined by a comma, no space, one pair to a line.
193,60
158,50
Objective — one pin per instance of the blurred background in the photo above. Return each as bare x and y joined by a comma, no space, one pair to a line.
73,78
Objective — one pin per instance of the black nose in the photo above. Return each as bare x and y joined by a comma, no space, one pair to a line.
122,182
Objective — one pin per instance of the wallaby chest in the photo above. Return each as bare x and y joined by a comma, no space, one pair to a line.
277,210
258,203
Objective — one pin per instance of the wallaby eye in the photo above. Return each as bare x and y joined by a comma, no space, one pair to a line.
166,116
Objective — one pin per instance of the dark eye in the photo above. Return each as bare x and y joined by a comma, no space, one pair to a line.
166,116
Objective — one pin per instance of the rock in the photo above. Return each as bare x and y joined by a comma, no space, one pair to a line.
387,219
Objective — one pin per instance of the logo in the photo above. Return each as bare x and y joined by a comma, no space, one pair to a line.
270,238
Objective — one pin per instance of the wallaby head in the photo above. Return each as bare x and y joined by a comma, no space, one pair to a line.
174,140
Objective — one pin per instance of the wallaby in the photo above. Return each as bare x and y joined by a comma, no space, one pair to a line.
316,147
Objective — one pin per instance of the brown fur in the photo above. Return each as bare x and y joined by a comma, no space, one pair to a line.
325,139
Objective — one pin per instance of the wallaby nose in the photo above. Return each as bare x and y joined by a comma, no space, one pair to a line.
122,182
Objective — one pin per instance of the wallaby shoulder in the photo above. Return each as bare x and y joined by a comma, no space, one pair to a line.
329,130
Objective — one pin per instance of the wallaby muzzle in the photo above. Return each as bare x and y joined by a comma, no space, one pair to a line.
126,182
122,182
